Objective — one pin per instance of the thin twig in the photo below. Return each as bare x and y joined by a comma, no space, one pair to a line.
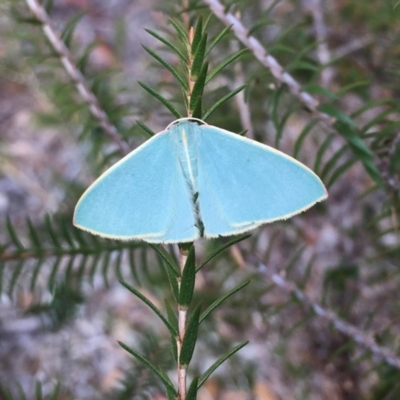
321,34
364,339
268,61
182,314
191,79
74,73
242,105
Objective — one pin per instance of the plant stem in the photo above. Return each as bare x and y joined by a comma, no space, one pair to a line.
191,80
182,314
75,74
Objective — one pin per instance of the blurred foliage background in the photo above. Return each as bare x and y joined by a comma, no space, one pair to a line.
322,311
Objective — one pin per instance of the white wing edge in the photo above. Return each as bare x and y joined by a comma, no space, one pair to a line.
149,237
255,224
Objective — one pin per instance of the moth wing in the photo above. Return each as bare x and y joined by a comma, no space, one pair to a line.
144,196
243,184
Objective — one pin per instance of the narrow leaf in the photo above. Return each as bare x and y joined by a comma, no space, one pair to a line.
162,99
180,30
318,158
174,322
1,276
340,171
166,257
304,133
13,235
35,274
332,162
166,381
189,341
217,302
217,39
145,300
15,275
38,391
68,32
222,248
36,242
197,93
198,36
56,392
51,233
168,44
199,57
187,281
145,128
168,66
336,113
224,64
192,392
83,60
173,281
222,101
220,361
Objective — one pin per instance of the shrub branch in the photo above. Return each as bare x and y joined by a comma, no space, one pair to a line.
74,73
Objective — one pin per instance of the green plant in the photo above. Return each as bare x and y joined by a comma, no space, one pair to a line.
337,142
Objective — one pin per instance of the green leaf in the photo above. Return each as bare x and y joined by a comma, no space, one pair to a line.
222,101
220,361
198,36
192,392
304,133
145,300
170,395
332,162
21,392
146,128
162,99
38,391
259,24
161,375
167,66
225,63
198,59
174,322
313,88
50,231
13,235
36,241
321,151
340,171
217,39
197,92
180,30
360,149
336,113
56,392
68,32
168,44
173,281
15,275
187,280
83,60
217,302
166,257
222,248
189,341
48,6
36,270
2,266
